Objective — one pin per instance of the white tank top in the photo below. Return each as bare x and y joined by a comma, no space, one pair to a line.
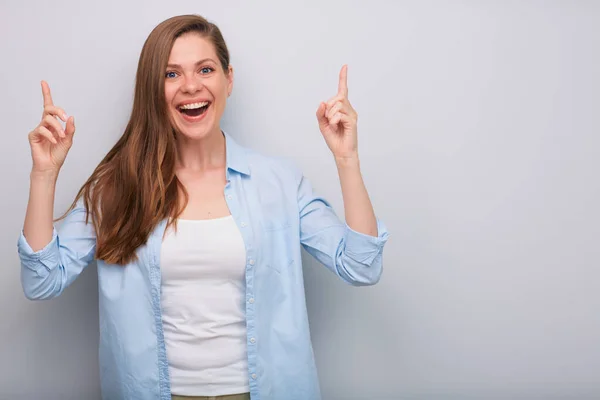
203,291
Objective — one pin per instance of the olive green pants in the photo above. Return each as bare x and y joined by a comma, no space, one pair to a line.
241,396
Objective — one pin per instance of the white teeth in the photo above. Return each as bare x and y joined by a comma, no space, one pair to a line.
193,106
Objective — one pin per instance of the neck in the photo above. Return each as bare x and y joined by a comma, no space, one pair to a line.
201,154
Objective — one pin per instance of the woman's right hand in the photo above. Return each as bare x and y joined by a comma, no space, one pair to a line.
49,142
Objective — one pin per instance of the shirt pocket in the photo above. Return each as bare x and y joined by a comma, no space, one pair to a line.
275,217
281,265
278,240
274,224
277,213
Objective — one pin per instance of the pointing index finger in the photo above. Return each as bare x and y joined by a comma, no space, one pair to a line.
46,94
343,85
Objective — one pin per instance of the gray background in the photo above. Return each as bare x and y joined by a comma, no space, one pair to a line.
478,129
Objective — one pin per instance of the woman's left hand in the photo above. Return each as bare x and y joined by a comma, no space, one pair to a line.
338,121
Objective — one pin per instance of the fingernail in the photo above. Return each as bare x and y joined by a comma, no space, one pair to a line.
65,116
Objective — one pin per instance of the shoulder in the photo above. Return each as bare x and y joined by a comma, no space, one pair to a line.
272,166
266,171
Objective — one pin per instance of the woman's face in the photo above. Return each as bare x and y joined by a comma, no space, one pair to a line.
196,87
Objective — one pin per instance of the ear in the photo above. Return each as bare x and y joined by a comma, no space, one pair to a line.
230,81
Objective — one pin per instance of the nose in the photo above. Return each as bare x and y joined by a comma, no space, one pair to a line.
191,84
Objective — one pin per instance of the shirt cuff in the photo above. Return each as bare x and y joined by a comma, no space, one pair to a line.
48,256
364,248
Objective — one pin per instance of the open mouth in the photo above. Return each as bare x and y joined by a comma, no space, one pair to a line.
194,109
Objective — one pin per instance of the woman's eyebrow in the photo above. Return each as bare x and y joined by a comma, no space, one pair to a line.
177,66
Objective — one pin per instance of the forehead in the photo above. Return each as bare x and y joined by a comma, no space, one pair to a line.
191,47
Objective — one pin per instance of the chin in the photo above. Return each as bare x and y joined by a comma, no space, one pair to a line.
195,134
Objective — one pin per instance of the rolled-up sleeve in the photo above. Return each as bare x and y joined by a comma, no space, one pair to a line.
47,272
355,257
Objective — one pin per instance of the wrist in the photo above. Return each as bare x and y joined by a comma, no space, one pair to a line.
349,161
45,175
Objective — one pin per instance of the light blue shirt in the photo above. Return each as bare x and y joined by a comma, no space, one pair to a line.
276,212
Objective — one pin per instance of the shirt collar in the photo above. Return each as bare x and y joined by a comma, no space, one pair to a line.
236,157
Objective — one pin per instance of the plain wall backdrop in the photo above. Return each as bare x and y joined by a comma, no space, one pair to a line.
478,136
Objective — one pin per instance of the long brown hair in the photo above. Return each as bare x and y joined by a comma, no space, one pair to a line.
135,187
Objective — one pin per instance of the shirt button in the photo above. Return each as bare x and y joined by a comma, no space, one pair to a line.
251,301
253,376
229,197
243,224
251,262
252,340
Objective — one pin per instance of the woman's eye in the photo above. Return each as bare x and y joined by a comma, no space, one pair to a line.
206,70
170,74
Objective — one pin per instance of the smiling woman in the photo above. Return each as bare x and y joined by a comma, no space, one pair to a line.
197,239
197,86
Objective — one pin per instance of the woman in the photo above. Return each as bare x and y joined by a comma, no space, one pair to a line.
197,239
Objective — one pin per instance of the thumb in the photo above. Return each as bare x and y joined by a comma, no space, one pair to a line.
321,116
70,127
